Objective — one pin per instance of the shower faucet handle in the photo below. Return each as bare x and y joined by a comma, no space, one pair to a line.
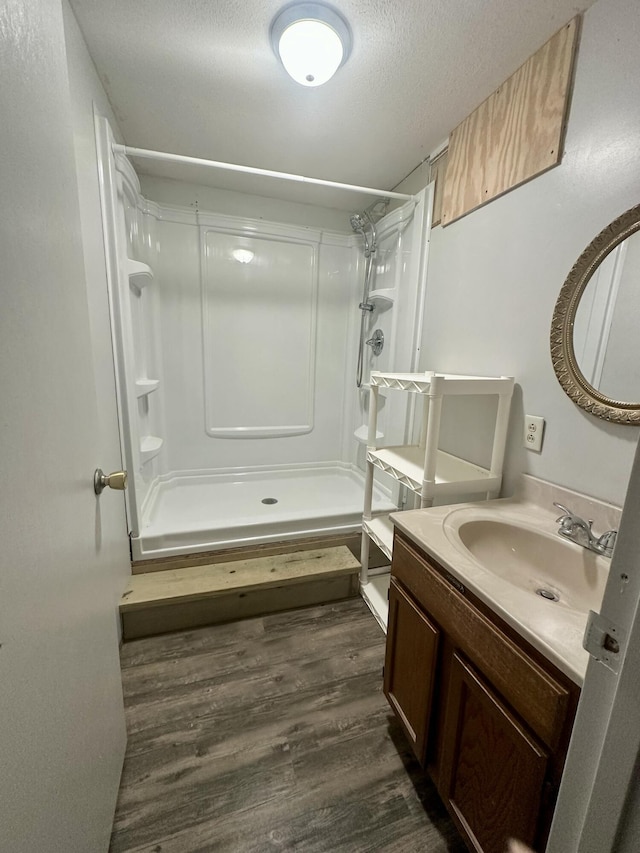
376,341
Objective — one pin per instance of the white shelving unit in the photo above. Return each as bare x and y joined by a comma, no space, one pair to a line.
423,468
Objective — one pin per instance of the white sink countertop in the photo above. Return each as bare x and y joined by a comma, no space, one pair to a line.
555,628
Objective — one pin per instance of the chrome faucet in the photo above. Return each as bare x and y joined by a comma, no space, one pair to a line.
579,531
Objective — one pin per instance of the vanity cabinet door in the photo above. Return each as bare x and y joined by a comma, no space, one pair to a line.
492,774
410,667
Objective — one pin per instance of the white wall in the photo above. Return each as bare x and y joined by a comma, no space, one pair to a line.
183,194
494,275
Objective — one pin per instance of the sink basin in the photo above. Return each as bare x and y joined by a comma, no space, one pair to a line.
558,571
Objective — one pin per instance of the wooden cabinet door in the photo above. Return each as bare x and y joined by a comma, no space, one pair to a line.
493,771
410,667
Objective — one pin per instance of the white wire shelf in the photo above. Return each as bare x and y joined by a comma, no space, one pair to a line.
406,465
380,530
456,384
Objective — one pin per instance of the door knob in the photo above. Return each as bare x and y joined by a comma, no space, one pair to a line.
116,480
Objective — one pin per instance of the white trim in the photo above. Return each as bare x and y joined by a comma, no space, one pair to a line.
392,221
128,172
115,247
259,227
260,471
438,150
237,224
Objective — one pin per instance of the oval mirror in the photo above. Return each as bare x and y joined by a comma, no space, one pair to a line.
595,345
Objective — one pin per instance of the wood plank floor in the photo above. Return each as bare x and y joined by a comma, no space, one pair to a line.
270,734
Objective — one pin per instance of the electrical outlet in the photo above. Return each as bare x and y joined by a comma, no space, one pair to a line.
533,432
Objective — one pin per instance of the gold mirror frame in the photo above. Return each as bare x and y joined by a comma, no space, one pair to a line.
564,315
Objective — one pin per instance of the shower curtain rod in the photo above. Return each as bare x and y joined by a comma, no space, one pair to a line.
250,170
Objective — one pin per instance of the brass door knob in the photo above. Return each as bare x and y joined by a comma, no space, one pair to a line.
116,480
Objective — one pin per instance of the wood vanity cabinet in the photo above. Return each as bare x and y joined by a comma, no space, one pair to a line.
486,714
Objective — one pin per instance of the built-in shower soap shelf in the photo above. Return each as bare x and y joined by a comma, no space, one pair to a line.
383,295
150,446
140,275
146,386
362,433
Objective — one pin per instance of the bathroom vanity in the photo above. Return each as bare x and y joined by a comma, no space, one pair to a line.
484,674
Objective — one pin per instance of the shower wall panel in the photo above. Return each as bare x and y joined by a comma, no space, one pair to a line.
259,302
139,330
253,351
395,296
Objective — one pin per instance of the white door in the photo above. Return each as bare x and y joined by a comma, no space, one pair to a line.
598,808
62,730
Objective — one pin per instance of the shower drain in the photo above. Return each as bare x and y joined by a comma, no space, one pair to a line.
269,500
546,593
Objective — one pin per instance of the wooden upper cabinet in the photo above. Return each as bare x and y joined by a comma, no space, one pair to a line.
493,770
410,668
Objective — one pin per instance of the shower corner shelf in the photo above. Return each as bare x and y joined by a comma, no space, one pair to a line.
150,446
140,275
383,294
146,386
361,434
423,468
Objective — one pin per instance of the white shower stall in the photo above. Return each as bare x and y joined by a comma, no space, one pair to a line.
236,346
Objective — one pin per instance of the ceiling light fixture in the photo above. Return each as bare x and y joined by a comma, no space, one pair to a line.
311,40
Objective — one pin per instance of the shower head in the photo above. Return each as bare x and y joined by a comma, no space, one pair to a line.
357,222
360,222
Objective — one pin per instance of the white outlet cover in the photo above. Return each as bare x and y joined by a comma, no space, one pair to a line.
533,432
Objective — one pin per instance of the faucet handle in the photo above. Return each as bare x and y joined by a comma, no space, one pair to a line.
607,541
563,508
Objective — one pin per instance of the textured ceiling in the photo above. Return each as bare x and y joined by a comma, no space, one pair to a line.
198,77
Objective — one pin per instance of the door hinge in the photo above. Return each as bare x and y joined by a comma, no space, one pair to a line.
604,641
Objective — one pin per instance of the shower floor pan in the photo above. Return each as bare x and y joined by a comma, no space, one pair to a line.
189,513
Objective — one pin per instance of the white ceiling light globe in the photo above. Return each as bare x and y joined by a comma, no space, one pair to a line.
311,40
311,52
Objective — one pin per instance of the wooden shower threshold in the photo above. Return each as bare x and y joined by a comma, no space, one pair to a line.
204,594
246,552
